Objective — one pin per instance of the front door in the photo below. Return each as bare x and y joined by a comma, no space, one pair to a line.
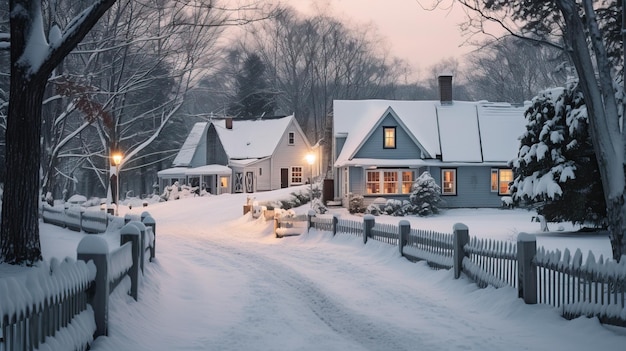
238,188
284,177
249,182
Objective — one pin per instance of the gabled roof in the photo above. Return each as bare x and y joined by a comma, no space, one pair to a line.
186,152
461,132
251,139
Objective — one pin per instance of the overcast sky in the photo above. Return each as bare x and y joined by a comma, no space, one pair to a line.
419,36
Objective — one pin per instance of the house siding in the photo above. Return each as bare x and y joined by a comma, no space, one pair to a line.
263,175
215,153
287,156
357,180
473,188
405,146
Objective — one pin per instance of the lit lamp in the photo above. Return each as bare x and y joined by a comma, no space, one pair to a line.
117,159
310,159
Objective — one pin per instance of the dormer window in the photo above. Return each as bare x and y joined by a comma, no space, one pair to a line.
389,137
292,138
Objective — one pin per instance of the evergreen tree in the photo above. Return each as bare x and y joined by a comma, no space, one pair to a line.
425,195
253,94
556,168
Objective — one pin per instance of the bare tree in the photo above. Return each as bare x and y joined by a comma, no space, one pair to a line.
514,70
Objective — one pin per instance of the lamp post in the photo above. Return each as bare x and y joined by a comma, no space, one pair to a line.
117,159
310,159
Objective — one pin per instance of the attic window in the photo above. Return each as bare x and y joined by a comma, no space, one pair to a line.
389,135
292,138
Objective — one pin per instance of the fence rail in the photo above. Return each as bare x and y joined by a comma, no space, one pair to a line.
65,305
596,288
76,218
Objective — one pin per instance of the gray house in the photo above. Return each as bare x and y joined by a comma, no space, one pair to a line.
242,156
382,146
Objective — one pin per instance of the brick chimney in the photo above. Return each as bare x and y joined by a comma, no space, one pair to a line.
445,89
229,123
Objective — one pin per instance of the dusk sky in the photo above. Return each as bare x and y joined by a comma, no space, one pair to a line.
419,36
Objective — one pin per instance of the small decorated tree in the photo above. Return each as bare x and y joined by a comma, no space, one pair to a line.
425,195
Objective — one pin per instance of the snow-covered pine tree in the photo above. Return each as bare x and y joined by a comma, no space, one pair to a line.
425,195
556,168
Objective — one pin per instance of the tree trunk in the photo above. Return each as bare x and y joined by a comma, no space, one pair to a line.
603,119
19,234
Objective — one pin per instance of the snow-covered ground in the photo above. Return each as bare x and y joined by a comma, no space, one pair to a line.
221,281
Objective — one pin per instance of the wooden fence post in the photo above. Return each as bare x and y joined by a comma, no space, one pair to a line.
144,214
131,233
94,248
148,221
461,238
404,228
335,222
368,224
526,270
142,242
310,216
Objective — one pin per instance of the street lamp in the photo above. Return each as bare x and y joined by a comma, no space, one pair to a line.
117,159
310,159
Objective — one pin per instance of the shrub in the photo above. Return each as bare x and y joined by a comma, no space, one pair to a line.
425,195
357,204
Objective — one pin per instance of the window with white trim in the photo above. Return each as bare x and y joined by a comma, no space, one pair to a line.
500,179
372,183
296,175
388,181
291,138
407,181
448,181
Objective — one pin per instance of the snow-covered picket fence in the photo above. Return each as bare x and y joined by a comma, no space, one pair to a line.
596,288
433,247
386,233
48,307
65,305
491,262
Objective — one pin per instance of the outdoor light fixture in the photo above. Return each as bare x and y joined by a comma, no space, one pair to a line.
117,159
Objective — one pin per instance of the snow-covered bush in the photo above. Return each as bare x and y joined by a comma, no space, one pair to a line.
373,209
395,207
357,204
318,206
425,196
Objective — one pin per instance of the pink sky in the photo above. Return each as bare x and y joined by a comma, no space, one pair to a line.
420,37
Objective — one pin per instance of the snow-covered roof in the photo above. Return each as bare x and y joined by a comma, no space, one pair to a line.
461,132
172,172
186,152
251,139
245,162
209,169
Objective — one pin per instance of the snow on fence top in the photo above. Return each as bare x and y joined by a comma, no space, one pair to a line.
44,284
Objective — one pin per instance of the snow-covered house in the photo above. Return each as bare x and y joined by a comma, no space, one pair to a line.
382,146
242,155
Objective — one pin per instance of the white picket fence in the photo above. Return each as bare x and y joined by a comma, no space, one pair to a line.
596,288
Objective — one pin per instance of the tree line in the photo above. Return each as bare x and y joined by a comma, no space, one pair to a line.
133,76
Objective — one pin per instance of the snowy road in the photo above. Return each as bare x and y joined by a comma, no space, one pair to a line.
223,282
